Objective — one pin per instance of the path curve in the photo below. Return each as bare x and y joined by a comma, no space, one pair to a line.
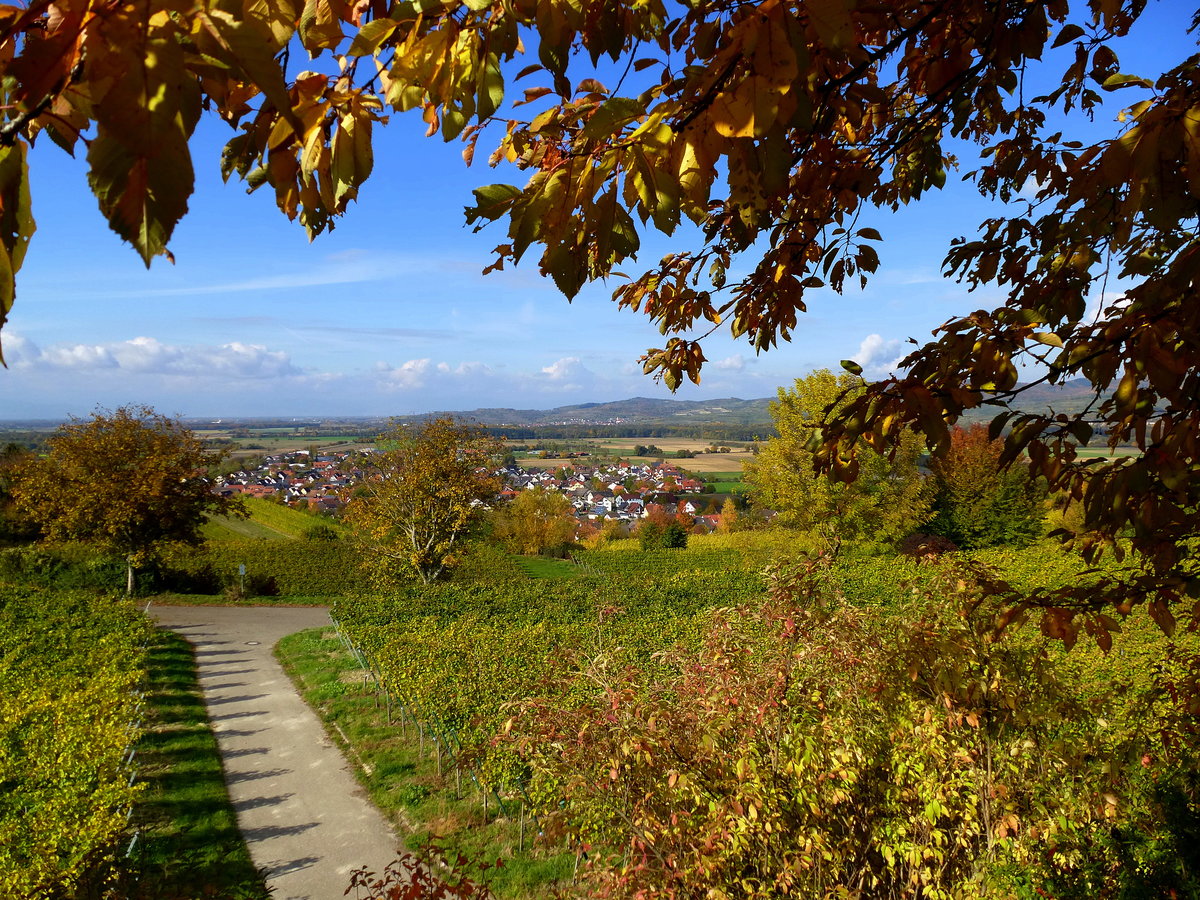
305,818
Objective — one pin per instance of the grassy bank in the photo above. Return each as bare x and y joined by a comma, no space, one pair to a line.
189,844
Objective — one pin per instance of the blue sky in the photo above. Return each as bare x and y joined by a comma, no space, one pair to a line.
389,314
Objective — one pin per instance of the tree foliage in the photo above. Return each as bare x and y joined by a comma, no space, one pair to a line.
770,126
979,503
535,521
15,528
428,492
129,482
653,535
888,498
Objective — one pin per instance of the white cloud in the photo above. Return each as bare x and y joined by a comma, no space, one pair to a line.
421,373
1100,306
568,374
411,374
474,370
473,379
18,350
735,363
564,368
879,356
149,356
77,356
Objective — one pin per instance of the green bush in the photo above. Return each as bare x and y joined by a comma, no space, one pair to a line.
662,537
321,532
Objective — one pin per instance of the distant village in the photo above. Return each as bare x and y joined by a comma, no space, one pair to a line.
622,491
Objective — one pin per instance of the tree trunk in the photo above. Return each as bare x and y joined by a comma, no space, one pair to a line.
128,578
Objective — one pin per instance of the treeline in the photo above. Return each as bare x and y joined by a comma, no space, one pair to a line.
716,431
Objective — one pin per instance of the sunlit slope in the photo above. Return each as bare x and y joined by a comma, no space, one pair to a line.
268,521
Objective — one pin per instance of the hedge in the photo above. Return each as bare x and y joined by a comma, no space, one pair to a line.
291,568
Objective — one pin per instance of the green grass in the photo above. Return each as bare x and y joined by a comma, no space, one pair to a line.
1104,452
224,528
285,520
726,488
268,521
538,567
402,777
189,844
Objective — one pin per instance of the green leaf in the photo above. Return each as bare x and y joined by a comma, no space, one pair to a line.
140,168
491,88
1069,32
250,48
610,117
852,367
1081,431
567,267
1049,338
491,202
1116,82
320,27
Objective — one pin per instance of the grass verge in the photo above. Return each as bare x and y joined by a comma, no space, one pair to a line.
402,775
538,567
189,844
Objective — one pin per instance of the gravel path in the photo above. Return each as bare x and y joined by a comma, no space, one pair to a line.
306,820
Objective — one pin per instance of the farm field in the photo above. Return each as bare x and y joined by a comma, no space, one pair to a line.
724,482
624,447
280,440
1104,452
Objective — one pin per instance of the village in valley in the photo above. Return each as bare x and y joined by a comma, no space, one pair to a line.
617,493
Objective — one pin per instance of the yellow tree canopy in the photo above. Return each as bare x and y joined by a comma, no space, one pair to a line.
888,498
414,513
536,520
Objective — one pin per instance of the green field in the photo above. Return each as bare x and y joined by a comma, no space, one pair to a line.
1098,452
267,521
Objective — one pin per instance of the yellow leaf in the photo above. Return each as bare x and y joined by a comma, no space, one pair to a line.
750,110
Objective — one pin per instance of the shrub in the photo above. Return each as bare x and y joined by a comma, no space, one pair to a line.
653,536
320,533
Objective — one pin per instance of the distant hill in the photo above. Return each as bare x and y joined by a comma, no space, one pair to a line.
1069,397
638,410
